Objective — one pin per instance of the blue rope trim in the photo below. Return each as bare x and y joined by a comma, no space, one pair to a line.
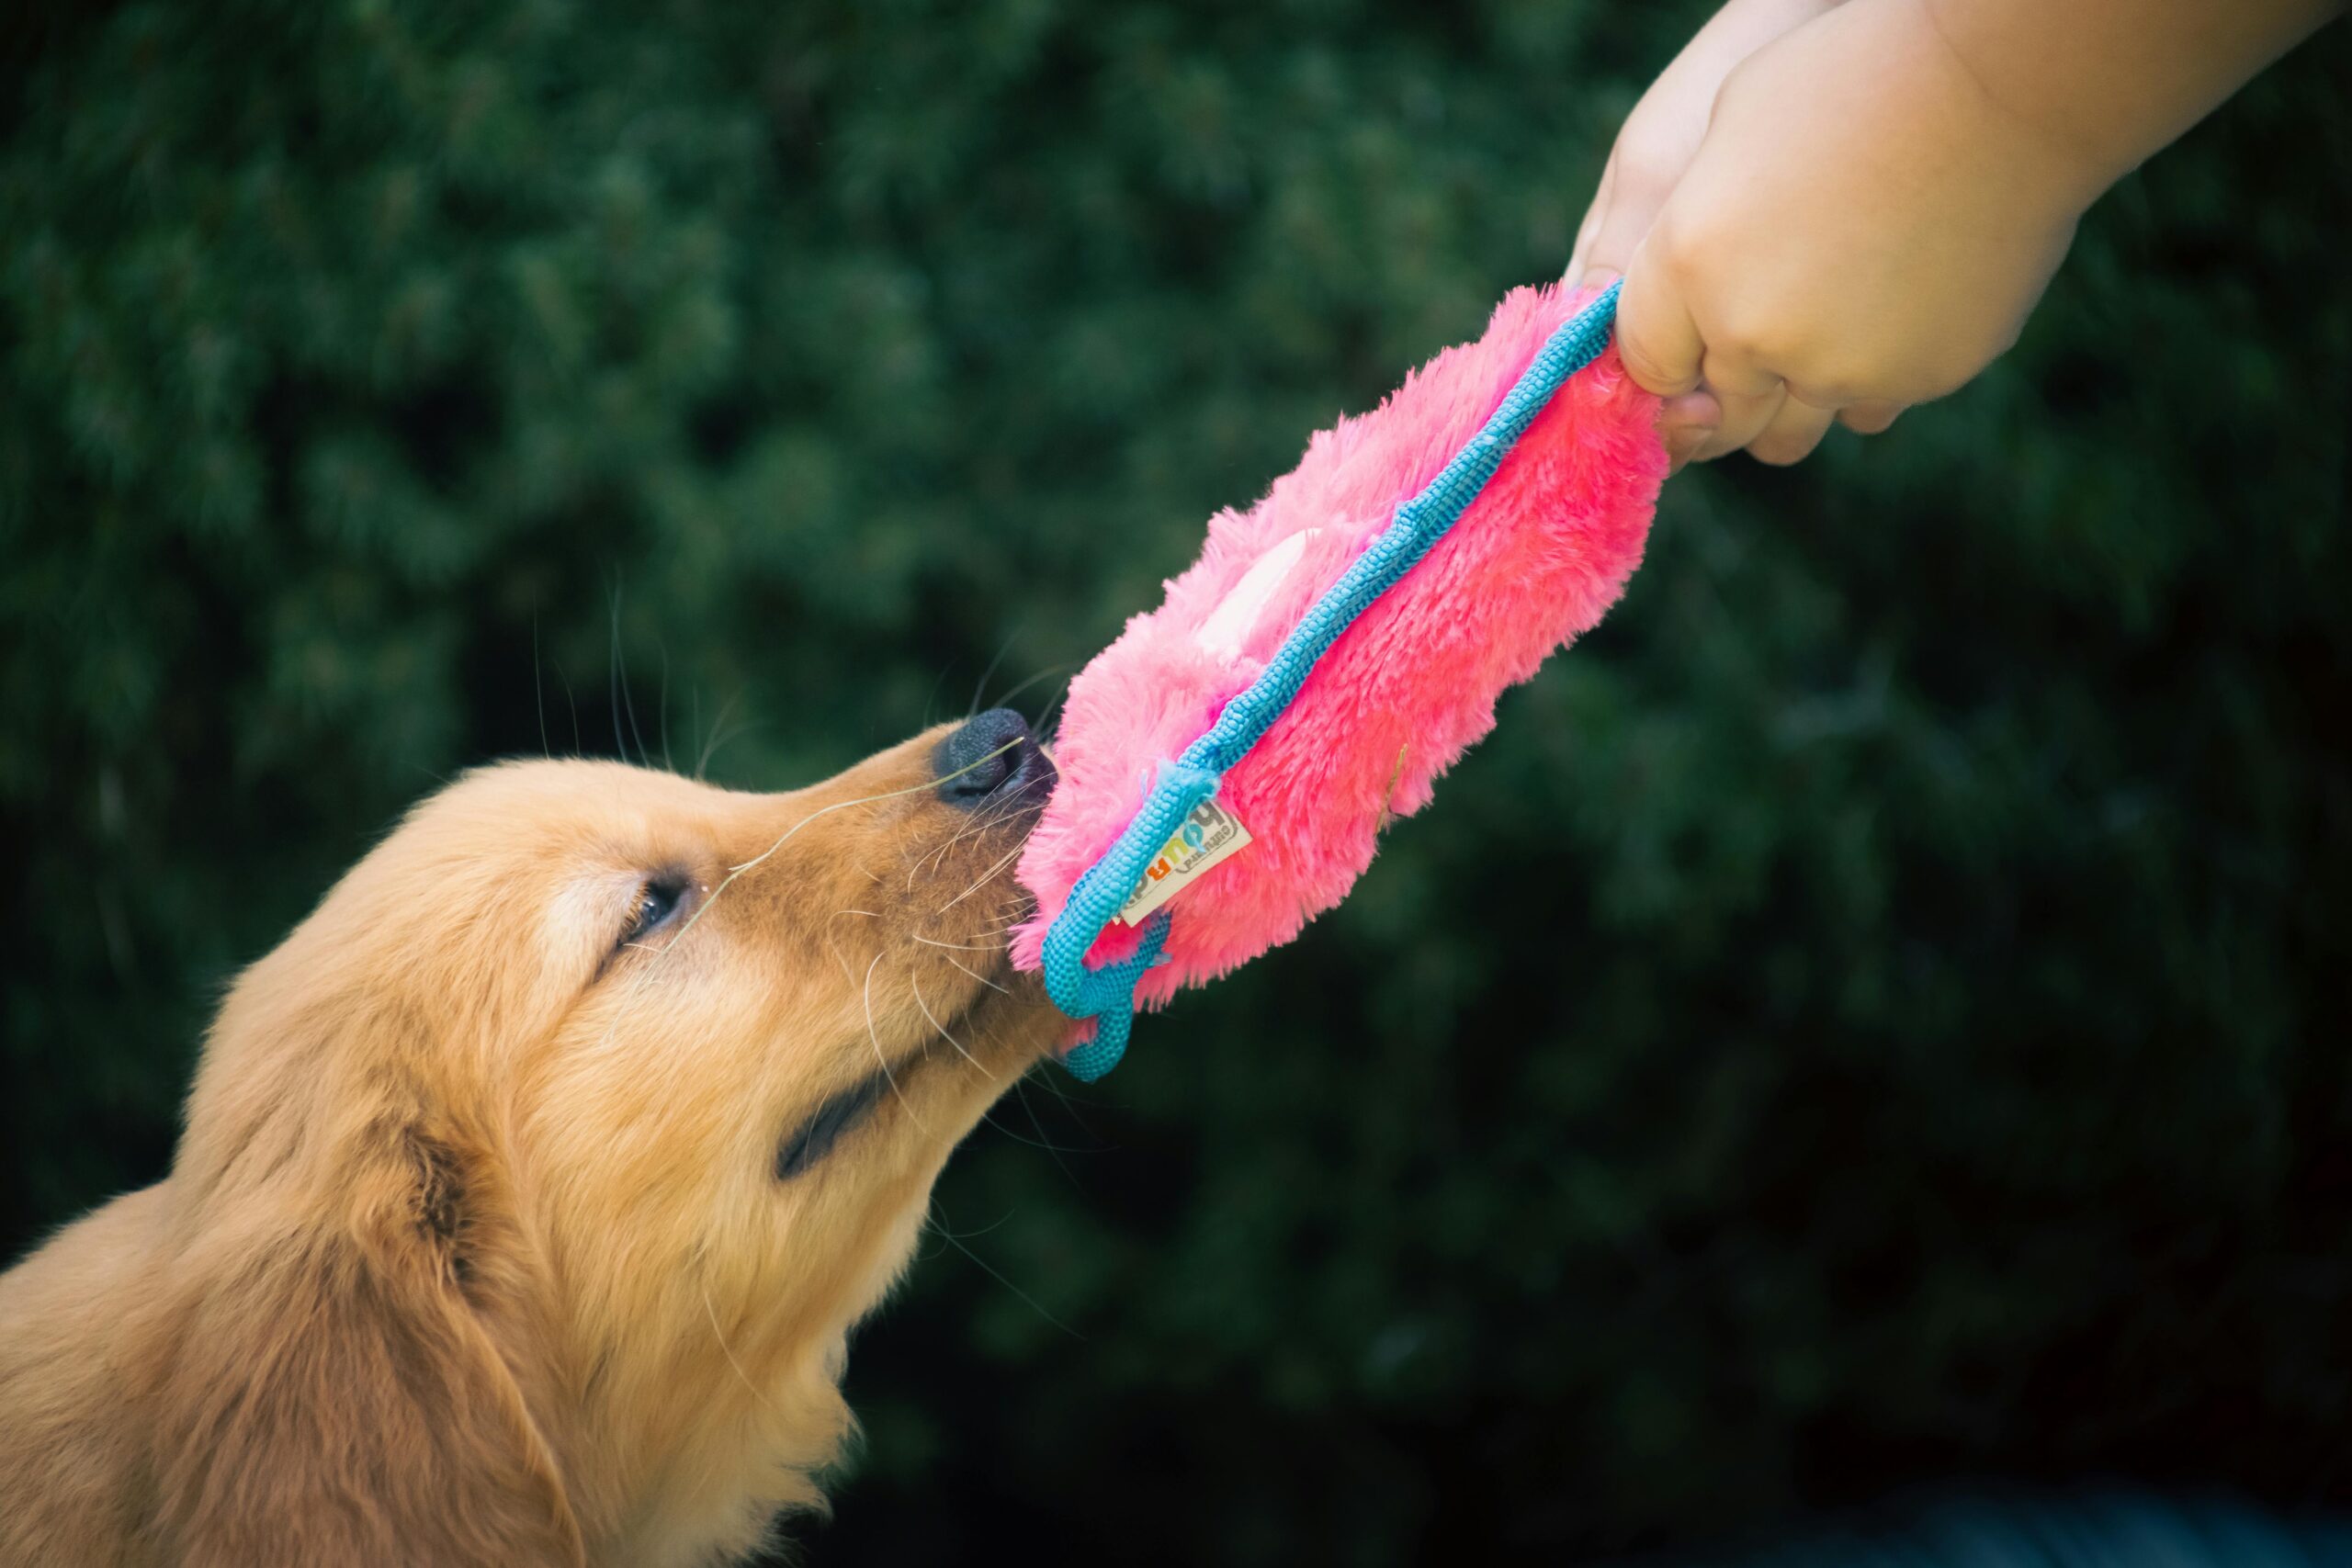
1107,995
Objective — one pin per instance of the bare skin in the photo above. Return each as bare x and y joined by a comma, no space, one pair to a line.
1826,212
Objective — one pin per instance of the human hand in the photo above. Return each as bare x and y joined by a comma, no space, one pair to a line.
1662,135
1861,227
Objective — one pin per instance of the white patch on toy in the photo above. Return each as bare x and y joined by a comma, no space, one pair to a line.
1226,631
1208,835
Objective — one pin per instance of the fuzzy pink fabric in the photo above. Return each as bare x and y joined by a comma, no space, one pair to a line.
1535,561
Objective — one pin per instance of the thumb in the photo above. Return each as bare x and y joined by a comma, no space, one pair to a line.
1656,336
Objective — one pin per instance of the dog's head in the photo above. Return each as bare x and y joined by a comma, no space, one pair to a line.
540,1172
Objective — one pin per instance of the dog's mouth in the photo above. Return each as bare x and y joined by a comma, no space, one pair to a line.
842,1115
994,769
829,1123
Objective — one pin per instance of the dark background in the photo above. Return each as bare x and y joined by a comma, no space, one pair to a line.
1875,1013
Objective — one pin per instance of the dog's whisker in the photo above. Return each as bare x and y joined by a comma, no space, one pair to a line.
882,1059
735,871
1051,1083
1044,725
989,817
949,1237
916,991
834,952
738,1078
1044,1140
922,866
711,901
717,735
1009,857
1055,1150
729,1352
1046,674
983,979
984,820
662,721
931,1223
933,696
570,704
981,684
539,689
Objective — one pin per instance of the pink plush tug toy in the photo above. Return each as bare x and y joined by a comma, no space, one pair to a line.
1228,763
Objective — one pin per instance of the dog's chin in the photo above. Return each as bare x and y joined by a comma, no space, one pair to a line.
1010,1019
1005,1020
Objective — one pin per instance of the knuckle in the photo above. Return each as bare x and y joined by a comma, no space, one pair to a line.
1835,375
1681,245
1833,390
1644,177
1745,337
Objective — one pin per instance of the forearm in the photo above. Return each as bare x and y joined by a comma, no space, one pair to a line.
2107,82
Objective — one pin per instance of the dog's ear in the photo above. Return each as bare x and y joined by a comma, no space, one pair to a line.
335,1397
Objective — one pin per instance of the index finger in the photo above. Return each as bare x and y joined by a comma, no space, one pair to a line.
1577,263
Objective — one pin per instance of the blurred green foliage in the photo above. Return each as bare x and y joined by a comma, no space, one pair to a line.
1875,1011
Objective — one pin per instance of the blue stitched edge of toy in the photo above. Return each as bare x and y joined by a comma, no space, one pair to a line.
1107,995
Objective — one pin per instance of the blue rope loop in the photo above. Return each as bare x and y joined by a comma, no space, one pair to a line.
1107,994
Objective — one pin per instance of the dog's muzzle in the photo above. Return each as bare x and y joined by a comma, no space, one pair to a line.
993,761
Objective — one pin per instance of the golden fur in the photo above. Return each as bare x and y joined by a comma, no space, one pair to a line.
475,1248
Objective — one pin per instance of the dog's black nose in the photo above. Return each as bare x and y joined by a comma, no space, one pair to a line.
993,758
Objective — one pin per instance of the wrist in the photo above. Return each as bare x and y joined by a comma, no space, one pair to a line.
2059,171
2104,84
1874,86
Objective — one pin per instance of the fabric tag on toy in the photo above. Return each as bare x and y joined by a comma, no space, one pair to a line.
1211,834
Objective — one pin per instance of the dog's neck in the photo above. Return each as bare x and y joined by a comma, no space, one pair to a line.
688,1452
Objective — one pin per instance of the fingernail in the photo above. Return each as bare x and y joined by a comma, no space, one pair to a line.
1597,278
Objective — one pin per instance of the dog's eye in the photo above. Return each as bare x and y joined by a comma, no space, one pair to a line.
657,902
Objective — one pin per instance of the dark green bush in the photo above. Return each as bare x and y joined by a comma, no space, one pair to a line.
1876,1011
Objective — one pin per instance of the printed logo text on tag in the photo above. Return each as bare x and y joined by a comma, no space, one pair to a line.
1209,834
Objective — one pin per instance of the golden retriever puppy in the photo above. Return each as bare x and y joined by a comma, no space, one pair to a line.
530,1189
